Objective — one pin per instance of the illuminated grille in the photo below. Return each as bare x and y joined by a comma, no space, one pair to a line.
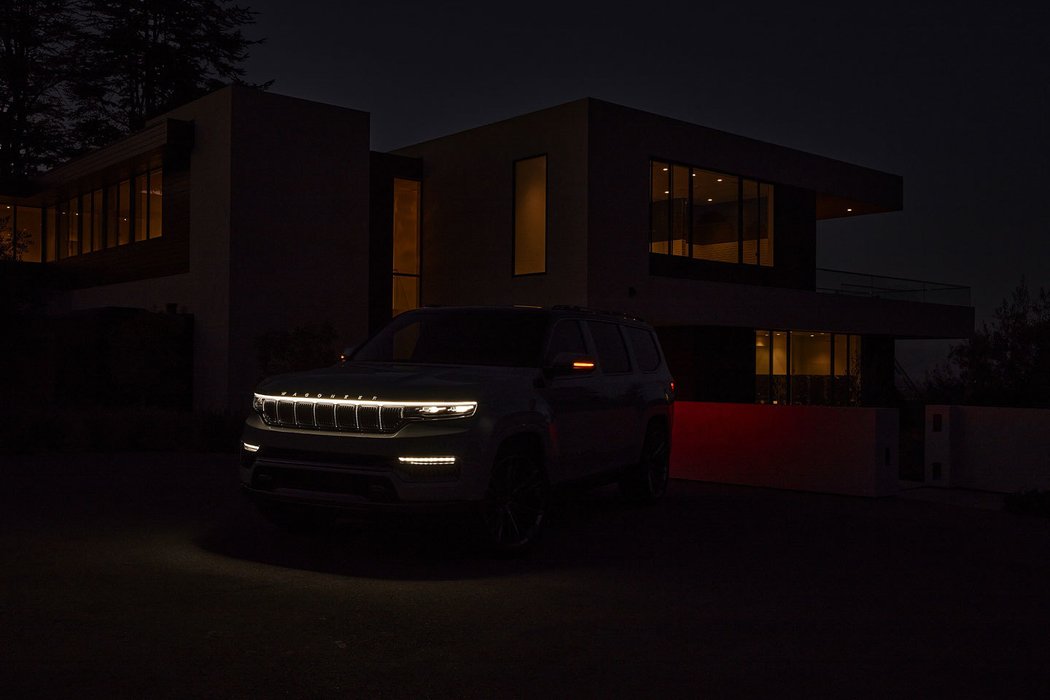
323,415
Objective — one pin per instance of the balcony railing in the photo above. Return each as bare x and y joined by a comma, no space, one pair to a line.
902,288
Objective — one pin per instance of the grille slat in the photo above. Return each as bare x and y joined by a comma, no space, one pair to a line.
324,415
368,418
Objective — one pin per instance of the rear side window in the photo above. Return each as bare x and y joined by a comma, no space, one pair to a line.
643,344
566,337
612,353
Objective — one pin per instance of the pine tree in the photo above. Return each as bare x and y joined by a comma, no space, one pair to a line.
139,58
36,37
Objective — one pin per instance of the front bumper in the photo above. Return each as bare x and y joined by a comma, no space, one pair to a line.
363,471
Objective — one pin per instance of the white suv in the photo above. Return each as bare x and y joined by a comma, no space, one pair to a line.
478,407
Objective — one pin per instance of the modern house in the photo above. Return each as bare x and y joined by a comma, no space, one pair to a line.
255,212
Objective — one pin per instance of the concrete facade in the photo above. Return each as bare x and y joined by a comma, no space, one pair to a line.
277,215
277,206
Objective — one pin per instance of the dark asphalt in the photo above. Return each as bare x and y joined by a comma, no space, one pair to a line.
148,575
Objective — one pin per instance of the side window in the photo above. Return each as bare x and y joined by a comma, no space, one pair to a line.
566,337
644,346
612,353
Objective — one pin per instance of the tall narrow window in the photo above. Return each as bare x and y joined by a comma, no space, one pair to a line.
530,216
27,224
51,234
406,246
86,220
60,225
680,210
96,220
660,208
757,205
73,227
141,206
124,213
112,216
156,203
8,233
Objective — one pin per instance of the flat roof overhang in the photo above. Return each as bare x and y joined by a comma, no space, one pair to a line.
700,303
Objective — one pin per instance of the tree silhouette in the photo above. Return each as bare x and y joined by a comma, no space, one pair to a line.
1006,363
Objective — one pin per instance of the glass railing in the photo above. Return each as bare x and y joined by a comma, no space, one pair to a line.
902,288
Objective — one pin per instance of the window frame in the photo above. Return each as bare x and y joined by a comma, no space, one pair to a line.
740,178
514,215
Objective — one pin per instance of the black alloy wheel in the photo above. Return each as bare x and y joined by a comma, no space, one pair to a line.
516,504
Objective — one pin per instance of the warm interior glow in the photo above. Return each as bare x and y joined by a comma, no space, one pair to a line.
406,262
530,216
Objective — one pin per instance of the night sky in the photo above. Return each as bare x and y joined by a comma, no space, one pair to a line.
956,101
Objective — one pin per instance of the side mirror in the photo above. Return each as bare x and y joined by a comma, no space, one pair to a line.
570,363
347,353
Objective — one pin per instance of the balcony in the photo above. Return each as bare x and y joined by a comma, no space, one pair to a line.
894,288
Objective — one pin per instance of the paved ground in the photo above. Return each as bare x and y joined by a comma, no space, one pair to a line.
148,576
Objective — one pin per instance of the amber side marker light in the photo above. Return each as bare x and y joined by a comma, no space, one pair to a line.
582,364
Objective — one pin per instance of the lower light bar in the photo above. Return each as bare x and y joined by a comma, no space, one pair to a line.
427,460
250,447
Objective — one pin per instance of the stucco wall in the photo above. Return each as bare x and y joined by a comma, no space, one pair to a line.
851,451
991,449
468,211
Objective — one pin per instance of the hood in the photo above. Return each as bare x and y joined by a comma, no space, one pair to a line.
394,382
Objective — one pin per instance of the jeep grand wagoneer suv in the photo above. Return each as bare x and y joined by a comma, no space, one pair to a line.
479,407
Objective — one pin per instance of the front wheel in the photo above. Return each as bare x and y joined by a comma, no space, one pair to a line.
516,503
647,480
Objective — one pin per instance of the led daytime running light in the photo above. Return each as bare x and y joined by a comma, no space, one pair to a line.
427,460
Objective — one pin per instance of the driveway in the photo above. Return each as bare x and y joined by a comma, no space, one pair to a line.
148,575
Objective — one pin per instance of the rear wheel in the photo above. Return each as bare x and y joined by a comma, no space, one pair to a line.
647,480
516,503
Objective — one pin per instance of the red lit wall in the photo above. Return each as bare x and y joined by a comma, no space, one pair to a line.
828,449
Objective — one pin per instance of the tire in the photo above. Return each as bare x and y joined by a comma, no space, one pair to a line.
515,506
647,480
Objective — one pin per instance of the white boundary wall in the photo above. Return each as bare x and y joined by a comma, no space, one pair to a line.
990,449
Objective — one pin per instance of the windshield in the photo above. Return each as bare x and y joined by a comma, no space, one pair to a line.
493,337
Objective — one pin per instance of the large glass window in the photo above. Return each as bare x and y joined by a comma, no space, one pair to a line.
96,220
141,206
406,246
709,215
807,367
530,216
124,212
51,235
660,207
28,239
757,203
156,203
716,213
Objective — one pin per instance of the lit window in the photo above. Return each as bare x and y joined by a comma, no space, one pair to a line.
709,215
406,273
530,216
824,368
156,203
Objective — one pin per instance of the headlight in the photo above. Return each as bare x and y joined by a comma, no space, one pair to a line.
440,411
